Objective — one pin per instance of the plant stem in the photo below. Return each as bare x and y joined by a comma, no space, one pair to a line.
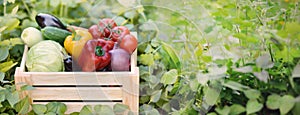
26,7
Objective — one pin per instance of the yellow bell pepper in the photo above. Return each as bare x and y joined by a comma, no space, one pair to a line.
75,42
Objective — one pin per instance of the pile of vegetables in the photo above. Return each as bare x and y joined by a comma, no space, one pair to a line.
104,46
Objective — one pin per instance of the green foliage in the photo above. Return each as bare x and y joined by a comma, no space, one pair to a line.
215,57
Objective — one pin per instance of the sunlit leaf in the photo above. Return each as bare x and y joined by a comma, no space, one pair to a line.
56,107
2,28
3,53
39,108
13,98
27,87
22,107
198,50
252,93
147,59
253,106
103,110
212,94
156,96
86,110
224,111
171,56
7,66
273,101
12,24
2,76
245,69
296,71
15,10
169,77
119,20
54,3
286,104
11,1
235,85
127,3
262,76
237,109
264,61
120,108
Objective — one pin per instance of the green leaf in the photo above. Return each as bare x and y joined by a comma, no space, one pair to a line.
252,93
39,108
50,113
120,108
211,95
253,106
147,59
119,20
7,66
156,96
212,113
103,110
235,85
4,51
11,24
296,109
198,50
2,95
56,107
86,110
264,61
2,76
286,104
54,3
224,111
130,14
75,113
296,71
169,77
16,41
273,101
15,10
27,87
171,56
22,107
12,98
292,28
11,1
236,109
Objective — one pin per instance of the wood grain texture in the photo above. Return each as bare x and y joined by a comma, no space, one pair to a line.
76,93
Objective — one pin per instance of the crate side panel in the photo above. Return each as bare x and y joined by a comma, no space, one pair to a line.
78,79
79,93
131,91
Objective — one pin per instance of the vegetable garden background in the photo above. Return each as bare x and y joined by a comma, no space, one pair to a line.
195,56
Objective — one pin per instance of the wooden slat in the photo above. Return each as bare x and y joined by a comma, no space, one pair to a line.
76,106
80,78
79,93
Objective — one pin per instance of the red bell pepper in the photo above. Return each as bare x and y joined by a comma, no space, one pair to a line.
95,55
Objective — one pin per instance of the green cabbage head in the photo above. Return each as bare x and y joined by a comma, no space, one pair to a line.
46,56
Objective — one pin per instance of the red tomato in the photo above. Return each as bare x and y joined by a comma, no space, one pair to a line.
118,32
94,30
103,29
128,43
106,25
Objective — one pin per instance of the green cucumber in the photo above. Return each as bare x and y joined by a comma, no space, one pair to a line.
55,34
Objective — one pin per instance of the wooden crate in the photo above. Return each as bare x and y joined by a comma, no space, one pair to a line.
77,89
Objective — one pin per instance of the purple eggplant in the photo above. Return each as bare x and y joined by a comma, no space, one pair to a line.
44,20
